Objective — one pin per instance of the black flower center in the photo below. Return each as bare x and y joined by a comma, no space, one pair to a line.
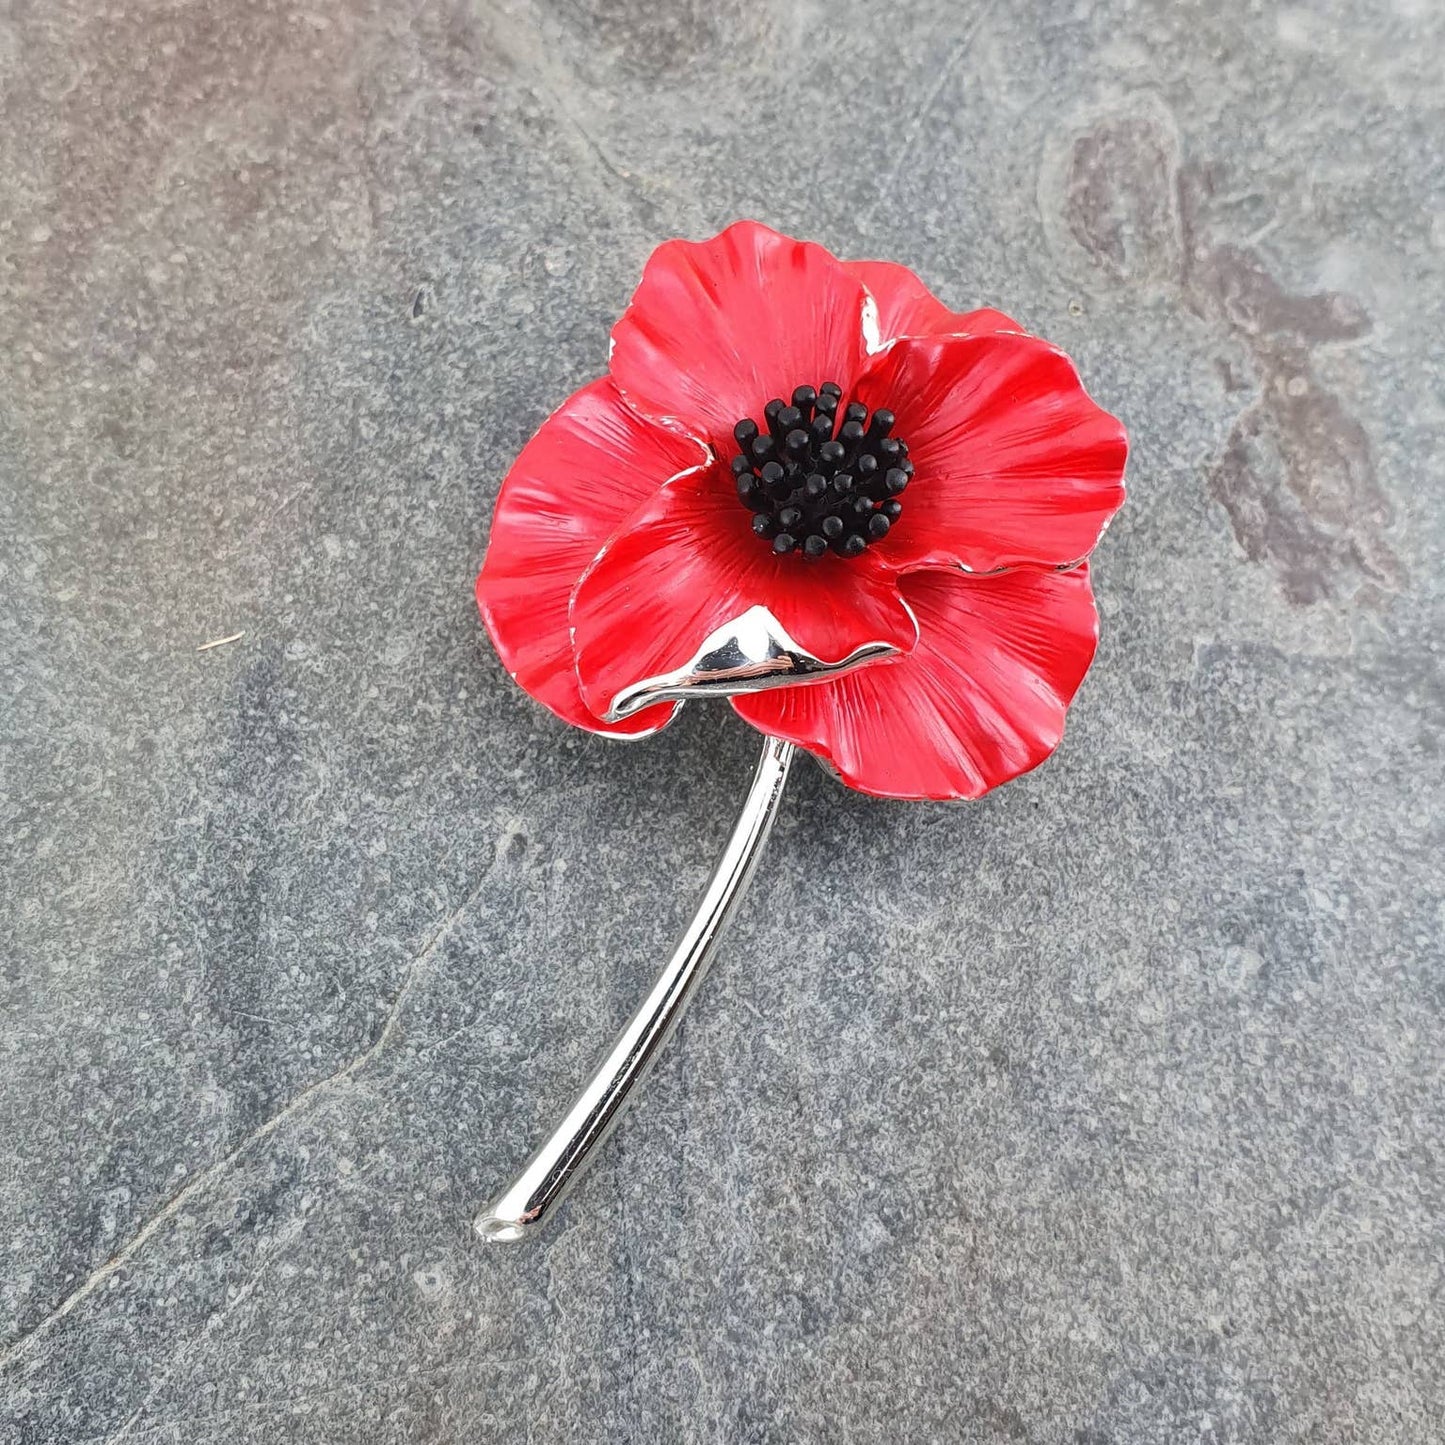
816,480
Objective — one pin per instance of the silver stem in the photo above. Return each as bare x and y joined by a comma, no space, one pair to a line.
521,1208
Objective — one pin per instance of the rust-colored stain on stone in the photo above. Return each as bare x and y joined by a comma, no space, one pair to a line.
1296,476
1120,202
1298,483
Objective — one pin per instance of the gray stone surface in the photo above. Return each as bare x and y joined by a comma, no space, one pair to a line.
1107,1111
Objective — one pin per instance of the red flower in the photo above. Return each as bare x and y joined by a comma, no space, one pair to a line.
807,485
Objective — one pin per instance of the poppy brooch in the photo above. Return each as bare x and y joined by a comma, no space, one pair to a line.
807,486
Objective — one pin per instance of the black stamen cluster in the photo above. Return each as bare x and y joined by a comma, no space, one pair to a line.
817,481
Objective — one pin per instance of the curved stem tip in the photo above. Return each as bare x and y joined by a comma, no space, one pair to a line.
523,1206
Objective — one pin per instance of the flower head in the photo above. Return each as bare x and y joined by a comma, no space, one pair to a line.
808,486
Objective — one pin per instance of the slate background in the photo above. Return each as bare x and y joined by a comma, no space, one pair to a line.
1106,1111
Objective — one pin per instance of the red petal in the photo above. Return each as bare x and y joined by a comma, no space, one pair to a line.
980,700
688,564
1015,463
590,465
717,328
906,307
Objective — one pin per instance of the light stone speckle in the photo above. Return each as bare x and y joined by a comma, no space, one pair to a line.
1104,1112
